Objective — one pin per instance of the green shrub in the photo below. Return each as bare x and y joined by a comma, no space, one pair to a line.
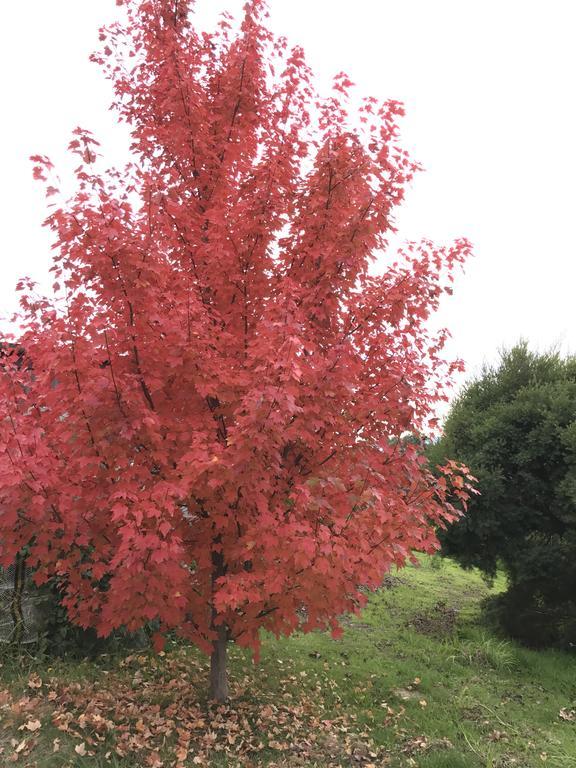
515,427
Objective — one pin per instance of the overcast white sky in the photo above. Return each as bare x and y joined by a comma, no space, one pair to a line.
491,113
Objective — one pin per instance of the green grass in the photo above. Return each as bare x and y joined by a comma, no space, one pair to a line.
416,680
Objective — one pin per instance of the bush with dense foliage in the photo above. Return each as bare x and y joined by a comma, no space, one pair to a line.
515,427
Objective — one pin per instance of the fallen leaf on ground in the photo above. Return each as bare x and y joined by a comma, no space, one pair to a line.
19,747
31,725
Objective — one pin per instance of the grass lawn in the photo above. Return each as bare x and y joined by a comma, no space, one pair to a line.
415,681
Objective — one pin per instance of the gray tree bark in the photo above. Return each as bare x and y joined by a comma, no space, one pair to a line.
219,690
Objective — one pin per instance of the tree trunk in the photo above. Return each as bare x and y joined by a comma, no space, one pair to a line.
16,604
219,666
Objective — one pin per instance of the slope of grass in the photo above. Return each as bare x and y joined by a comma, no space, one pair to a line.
416,680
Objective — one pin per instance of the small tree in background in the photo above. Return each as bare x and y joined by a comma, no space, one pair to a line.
515,426
222,447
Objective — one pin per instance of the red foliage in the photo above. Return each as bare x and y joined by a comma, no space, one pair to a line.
211,432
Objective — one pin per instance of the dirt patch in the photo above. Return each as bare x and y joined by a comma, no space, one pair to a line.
440,621
389,581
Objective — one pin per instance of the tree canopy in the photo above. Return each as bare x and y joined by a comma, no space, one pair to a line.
221,451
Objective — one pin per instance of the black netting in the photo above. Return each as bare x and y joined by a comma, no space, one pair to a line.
21,615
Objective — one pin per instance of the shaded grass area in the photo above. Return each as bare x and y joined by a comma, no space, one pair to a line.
416,680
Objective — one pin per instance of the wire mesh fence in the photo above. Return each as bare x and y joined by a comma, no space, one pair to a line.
21,614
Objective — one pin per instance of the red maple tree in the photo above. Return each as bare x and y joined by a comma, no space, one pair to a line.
212,432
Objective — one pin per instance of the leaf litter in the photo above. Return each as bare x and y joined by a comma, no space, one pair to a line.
149,711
